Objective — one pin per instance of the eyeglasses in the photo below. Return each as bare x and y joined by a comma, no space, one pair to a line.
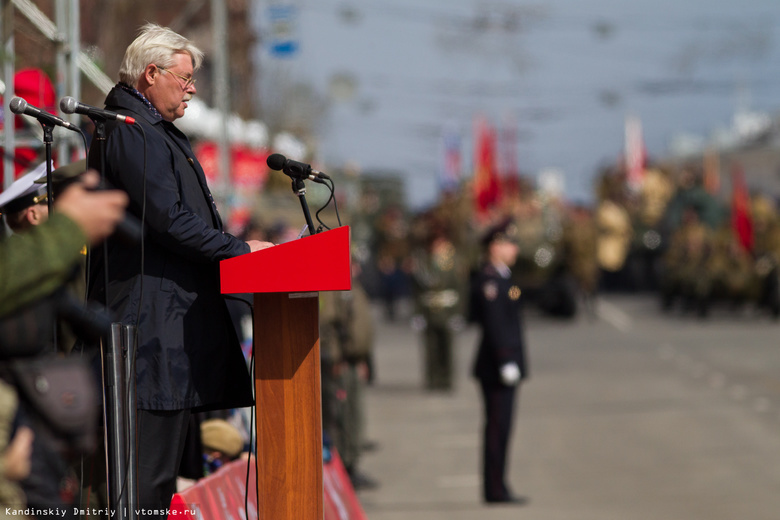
188,82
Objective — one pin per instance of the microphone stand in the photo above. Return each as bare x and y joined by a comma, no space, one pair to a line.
299,188
48,139
118,397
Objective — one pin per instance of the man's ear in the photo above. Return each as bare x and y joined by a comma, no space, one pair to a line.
35,215
150,73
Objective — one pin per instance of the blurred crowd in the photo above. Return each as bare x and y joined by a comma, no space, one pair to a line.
670,233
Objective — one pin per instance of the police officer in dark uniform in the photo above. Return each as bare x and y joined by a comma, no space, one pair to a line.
501,361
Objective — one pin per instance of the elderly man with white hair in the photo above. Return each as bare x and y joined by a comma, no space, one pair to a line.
188,358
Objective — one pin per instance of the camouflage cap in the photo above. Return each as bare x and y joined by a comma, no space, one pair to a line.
66,172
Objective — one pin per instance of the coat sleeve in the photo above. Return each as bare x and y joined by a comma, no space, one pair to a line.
39,261
168,221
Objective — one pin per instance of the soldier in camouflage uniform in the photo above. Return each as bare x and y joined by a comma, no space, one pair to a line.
580,237
727,273
346,339
438,282
683,264
614,242
36,263
766,233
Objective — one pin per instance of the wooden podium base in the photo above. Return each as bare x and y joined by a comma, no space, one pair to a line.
287,363
289,406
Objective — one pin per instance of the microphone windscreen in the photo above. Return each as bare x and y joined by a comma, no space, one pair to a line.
17,105
276,161
68,105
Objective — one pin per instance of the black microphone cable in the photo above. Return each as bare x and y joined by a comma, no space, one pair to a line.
132,349
132,355
331,187
252,409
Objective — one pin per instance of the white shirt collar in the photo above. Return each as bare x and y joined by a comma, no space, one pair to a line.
502,269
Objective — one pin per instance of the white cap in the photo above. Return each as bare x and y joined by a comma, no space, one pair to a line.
24,192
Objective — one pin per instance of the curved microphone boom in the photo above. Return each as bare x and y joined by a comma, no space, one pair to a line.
70,106
21,107
294,169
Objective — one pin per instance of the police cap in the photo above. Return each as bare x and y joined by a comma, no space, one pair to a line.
24,192
504,230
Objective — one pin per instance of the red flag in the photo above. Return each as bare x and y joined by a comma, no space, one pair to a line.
741,216
486,185
636,154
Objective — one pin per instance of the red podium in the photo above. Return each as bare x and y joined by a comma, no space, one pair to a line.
285,280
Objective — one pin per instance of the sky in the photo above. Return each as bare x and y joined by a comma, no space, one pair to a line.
398,73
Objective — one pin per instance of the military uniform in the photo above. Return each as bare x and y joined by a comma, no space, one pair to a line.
51,263
580,237
766,233
684,274
728,273
437,282
614,242
41,261
496,308
346,338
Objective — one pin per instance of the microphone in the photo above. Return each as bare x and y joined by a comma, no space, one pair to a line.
70,106
294,169
20,106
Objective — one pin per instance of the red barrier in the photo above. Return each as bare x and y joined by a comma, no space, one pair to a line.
222,494
341,503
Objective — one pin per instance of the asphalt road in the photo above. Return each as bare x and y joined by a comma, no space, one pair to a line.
629,415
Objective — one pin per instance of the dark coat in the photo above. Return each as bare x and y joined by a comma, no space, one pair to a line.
188,352
496,308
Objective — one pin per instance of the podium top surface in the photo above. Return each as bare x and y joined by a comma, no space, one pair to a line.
318,262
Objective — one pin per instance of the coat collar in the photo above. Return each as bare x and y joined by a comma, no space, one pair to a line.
119,99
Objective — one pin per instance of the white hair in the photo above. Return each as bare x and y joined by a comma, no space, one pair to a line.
158,45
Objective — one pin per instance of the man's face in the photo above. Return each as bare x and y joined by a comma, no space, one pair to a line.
505,251
167,94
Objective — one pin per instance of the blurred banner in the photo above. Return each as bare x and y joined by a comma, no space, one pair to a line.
450,170
35,87
283,41
247,165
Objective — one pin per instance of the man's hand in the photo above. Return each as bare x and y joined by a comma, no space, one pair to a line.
257,245
16,456
96,212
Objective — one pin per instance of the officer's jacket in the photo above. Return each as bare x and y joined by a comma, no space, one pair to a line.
496,308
